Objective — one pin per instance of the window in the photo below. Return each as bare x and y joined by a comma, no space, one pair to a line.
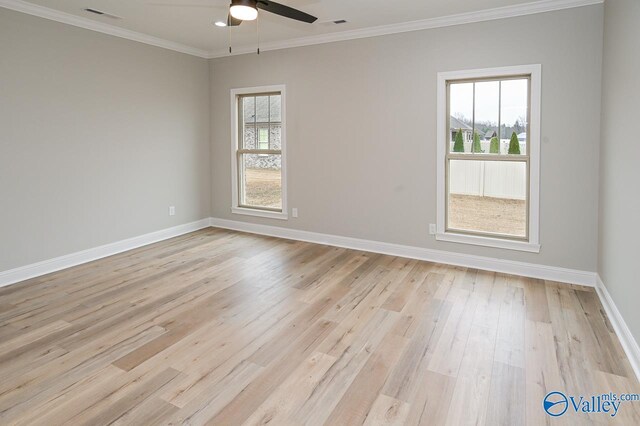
488,157
258,142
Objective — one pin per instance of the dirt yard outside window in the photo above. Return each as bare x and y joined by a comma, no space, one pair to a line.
263,188
487,214
466,212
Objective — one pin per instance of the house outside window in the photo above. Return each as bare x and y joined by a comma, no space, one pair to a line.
488,157
259,155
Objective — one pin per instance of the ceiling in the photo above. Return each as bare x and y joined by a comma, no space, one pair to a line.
190,22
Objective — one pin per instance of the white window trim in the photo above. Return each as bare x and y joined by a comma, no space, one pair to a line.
533,245
235,206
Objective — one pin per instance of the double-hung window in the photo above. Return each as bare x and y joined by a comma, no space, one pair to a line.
488,157
259,158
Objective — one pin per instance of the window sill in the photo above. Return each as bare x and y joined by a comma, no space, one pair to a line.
260,213
489,242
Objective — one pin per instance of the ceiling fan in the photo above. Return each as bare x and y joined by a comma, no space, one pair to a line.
247,10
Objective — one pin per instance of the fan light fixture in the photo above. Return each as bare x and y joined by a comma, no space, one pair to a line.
244,10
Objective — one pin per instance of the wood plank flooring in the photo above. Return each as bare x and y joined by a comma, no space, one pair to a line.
224,328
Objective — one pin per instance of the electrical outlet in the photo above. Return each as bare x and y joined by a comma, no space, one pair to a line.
432,229
172,210
294,212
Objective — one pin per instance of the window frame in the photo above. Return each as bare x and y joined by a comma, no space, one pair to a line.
237,152
531,243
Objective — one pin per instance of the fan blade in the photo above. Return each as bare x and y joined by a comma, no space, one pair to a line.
286,11
233,22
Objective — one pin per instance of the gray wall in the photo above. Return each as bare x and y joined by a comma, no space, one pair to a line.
98,136
362,129
620,150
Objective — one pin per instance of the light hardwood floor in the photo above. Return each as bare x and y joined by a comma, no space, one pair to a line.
219,327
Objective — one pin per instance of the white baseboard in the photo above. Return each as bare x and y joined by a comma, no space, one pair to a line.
47,266
629,343
552,273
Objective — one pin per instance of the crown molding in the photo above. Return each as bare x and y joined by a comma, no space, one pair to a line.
425,24
78,21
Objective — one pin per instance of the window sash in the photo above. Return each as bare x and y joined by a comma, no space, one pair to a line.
259,151
241,123
447,193
488,157
448,84
242,186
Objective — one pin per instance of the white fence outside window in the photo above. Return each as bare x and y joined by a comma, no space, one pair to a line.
498,179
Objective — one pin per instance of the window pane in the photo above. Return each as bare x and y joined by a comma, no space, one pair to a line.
248,106
276,135
261,181
249,137
513,115
275,109
262,109
461,116
488,197
487,106
263,138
